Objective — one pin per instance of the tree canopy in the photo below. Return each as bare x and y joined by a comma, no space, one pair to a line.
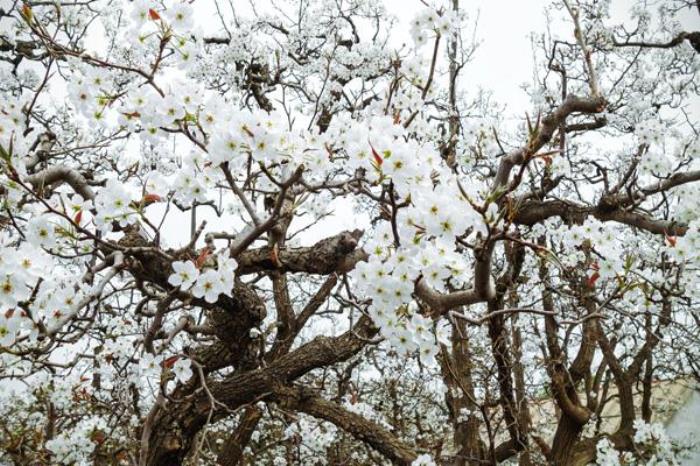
175,287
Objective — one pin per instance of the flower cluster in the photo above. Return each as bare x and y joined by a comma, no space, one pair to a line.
182,369
424,460
606,455
652,446
421,243
10,120
147,16
206,283
389,277
686,249
432,22
20,270
656,162
115,203
262,135
599,239
379,149
75,446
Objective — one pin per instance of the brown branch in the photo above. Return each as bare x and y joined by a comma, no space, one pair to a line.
365,430
322,258
443,303
692,37
232,452
533,212
175,429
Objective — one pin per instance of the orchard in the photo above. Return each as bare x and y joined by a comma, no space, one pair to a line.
292,233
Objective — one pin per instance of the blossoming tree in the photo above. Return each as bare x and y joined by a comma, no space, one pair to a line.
173,289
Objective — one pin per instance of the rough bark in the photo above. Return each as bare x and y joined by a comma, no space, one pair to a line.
457,373
307,401
324,257
176,426
232,452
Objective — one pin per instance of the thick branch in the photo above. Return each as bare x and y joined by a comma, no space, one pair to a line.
533,212
692,37
363,429
441,302
322,258
61,174
175,429
232,452
544,133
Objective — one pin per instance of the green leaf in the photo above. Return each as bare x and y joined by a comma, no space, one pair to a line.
6,156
